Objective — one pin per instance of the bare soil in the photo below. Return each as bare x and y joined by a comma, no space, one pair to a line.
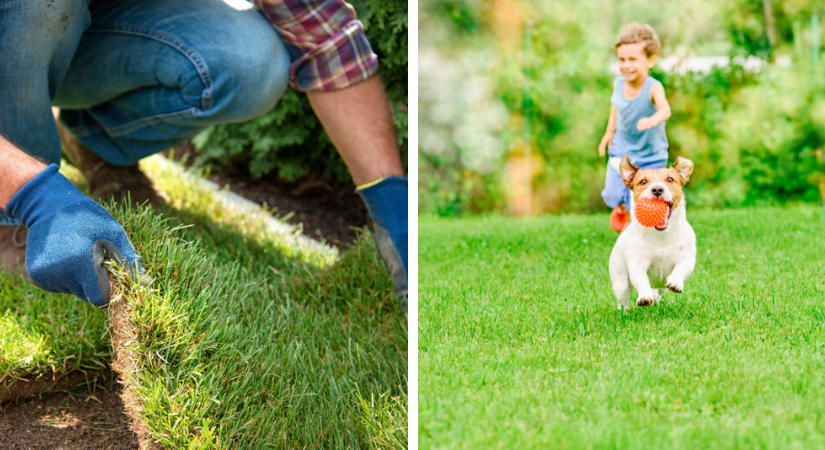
327,210
84,417
30,386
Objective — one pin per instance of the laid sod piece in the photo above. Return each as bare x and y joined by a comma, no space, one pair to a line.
521,344
247,340
227,359
232,234
47,341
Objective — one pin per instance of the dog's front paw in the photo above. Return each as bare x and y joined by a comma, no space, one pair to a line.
645,300
674,285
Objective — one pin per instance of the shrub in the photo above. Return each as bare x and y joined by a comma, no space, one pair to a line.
773,139
289,141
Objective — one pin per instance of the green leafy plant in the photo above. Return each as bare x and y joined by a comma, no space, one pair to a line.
775,129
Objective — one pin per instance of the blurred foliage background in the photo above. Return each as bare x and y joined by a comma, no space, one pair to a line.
514,97
289,141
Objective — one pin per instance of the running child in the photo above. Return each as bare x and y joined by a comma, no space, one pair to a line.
637,117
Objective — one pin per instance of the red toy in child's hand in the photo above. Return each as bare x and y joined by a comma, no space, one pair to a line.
651,212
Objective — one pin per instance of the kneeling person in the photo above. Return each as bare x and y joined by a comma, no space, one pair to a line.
136,78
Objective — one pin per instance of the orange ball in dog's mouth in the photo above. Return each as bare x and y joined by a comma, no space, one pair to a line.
652,212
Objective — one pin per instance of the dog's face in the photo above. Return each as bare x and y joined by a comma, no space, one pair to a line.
664,184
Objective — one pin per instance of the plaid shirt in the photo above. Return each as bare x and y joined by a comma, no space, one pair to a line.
326,43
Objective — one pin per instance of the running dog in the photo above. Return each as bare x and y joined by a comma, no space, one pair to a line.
652,259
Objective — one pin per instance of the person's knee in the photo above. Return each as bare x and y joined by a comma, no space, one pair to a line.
250,80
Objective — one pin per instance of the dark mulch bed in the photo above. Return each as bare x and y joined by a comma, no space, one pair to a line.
327,210
84,417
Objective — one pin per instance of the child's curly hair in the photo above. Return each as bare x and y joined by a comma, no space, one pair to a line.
634,33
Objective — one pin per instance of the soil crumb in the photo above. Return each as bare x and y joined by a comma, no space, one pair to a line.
85,417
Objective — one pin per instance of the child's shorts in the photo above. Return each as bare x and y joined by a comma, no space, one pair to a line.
615,192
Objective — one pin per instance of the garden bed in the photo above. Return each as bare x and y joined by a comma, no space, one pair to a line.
326,210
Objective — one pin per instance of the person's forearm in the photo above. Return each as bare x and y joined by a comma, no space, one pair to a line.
358,120
661,115
611,123
16,169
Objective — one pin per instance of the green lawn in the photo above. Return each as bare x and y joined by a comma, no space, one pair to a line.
247,341
521,344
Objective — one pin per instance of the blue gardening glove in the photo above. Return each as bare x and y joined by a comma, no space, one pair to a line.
386,202
69,236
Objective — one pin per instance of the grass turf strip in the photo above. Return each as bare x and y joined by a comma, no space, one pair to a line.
521,344
247,341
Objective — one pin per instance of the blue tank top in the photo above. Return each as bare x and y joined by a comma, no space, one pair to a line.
641,146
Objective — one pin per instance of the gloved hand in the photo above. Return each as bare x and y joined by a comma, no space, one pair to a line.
68,234
387,205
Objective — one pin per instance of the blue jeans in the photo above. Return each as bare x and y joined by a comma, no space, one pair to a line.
132,77
615,192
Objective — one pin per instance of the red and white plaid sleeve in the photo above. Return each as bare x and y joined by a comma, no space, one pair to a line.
326,43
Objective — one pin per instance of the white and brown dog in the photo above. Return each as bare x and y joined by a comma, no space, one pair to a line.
653,259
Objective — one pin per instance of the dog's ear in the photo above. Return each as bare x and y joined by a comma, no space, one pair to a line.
627,171
684,167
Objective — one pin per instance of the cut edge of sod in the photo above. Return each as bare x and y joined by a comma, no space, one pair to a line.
125,360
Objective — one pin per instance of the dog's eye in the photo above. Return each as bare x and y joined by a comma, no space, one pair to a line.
643,182
670,179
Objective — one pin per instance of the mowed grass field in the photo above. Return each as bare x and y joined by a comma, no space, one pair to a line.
247,339
521,344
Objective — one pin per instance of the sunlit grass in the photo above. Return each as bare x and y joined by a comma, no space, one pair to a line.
521,344
42,333
248,340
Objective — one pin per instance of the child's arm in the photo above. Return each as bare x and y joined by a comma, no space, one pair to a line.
607,140
657,94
